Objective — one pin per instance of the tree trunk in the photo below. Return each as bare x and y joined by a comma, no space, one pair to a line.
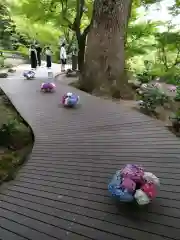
104,67
81,39
81,52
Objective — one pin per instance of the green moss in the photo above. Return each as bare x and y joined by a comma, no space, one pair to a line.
16,139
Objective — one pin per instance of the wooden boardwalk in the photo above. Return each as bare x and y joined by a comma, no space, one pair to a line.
61,192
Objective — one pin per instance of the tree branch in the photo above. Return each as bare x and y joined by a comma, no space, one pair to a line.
64,11
86,30
79,14
177,61
164,57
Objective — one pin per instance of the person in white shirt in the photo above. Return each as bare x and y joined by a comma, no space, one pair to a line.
48,53
63,57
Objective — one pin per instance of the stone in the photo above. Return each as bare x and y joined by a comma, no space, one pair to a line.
11,70
3,75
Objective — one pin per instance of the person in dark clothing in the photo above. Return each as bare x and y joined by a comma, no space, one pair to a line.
33,57
48,53
39,50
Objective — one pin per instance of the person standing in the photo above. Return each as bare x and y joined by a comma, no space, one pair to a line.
63,57
33,56
48,53
39,50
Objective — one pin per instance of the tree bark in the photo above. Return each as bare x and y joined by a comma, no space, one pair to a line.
105,54
81,46
81,52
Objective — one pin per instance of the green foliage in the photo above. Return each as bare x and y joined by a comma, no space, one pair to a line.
7,161
175,119
177,97
2,62
9,39
140,38
51,20
6,26
72,17
6,132
151,99
6,101
162,52
168,44
175,9
144,77
23,50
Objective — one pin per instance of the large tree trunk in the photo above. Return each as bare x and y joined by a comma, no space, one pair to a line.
105,54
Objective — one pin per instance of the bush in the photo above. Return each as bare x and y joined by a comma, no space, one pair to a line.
56,56
177,97
6,101
175,119
2,62
7,161
7,131
7,165
144,77
151,98
23,51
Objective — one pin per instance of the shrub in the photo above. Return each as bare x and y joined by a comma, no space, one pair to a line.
177,97
8,164
6,132
151,98
6,101
175,119
23,51
7,161
145,77
1,62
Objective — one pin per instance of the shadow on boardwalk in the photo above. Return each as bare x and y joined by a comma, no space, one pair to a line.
61,192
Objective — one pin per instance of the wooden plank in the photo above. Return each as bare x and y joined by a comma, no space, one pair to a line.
80,223
21,229
84,181
152,214
101,167
82,200
106,176
6,234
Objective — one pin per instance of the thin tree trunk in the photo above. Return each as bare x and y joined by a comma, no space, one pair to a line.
105,54
81,39
81,52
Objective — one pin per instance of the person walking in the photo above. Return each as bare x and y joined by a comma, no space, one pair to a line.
48,54
63,57
39,50
33,57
